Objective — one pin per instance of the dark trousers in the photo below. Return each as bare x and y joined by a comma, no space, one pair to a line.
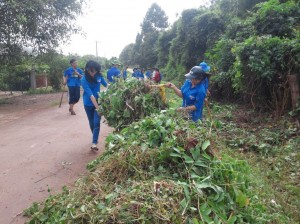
94,122
74,94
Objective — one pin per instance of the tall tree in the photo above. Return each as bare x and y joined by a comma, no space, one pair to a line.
154,22
127,54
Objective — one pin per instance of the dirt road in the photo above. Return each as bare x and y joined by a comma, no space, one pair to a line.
41,147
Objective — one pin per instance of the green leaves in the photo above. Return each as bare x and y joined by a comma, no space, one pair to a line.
125,102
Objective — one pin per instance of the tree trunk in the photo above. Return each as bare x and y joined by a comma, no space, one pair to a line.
32,78
293,83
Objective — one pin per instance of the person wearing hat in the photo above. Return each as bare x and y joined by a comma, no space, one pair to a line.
192,93
72,77
91,82
113,72
205,68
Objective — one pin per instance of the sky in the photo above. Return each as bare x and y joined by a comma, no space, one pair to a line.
115,24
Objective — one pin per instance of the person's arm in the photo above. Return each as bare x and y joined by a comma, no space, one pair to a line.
65,78
200,100
176,90
189,108
94,101
89,92
79,73
103,82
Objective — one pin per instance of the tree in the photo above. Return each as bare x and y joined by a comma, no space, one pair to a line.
126,55
41,24
154,22
163,45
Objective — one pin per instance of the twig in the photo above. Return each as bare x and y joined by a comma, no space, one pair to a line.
129,106
53,174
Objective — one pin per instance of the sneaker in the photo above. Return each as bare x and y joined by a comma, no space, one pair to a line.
94,147
73,112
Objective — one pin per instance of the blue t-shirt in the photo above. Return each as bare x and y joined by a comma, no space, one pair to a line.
140,75
193,96
148,74
124,74
135,74
73,78
112,73
90,89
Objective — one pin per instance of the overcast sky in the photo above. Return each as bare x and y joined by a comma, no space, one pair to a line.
115,24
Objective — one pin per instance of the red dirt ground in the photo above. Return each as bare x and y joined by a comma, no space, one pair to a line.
41,147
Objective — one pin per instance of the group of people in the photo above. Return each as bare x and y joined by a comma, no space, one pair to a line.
114,73
90,80
193,91
151,74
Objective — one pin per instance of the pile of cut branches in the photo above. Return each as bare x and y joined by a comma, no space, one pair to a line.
125,102
158,170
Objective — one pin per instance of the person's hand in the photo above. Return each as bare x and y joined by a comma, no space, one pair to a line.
64,83
206,101
77,73
169,85
208,93
181,109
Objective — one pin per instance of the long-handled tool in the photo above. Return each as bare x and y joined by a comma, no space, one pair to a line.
62,95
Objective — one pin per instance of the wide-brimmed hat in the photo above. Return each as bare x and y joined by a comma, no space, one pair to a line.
115,63
196,73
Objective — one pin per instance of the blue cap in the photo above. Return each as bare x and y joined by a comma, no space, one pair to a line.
204,66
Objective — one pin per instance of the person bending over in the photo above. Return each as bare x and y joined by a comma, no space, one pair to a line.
91,82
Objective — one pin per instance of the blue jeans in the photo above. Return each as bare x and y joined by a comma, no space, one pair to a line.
94,121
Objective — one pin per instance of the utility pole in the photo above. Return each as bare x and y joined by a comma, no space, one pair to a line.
97,42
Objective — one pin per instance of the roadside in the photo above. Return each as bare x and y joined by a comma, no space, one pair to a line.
43,148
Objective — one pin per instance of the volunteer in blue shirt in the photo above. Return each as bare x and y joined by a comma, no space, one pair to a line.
135,73
205,67
91,82
125,73
141,74
72,77
192,92
148,73
113,73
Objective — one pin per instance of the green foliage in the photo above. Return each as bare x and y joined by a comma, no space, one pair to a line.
40,91
127,54
277,18
158,178
143,52
125,102
41,24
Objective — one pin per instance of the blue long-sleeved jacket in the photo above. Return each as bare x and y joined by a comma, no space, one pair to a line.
194,96
90,89
113,73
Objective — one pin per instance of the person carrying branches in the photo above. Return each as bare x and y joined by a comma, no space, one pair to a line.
91,82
